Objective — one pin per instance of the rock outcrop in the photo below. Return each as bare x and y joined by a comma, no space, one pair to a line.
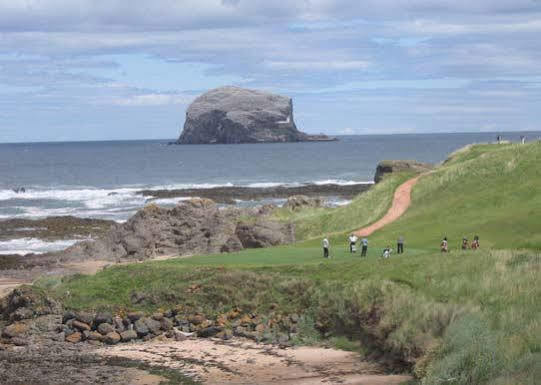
298,202
238,115
393,166
196,226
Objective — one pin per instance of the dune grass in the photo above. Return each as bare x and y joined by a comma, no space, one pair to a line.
469,317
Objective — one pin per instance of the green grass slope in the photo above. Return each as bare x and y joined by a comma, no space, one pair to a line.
469,317
493,191
363,210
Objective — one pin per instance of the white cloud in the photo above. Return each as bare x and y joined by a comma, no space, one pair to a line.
152,99
319,65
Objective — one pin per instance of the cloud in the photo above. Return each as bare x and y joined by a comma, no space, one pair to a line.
152,99
383,65
319,65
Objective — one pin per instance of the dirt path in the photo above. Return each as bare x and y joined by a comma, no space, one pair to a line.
401,202
245,362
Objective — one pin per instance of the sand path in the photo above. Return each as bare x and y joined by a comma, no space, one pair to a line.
244,362
401,202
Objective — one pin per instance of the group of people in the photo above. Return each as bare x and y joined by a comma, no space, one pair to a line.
474,245
364,246
352,239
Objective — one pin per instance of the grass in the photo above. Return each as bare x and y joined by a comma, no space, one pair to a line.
469,317
488,190
363,210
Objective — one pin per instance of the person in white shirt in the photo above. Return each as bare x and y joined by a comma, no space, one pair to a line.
352,243
387,252
326,246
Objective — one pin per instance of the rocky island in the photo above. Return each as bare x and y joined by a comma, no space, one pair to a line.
237,115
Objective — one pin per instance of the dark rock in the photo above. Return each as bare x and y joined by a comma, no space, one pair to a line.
166,324
68,331
93,336
112,338
394,166
237,115
225,335
264,233
118,324
103,318
148,337
134,316
84,317
209,332
153,326
298,202
128,335
67,316
141,328
105,328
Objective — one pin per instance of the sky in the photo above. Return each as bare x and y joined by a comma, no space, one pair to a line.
128,69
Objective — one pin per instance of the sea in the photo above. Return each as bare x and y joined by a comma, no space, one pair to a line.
101,179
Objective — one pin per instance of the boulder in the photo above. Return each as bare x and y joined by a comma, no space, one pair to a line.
238,115
105,328
393,166
15,330
141,327
80,325
112,338
152,325
128,335
93,336
84,317
209,332
74,338
264,233
297,202
103,317
134,316
197,226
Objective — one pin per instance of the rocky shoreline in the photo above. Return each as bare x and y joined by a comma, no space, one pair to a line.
230,195
54,228
40,342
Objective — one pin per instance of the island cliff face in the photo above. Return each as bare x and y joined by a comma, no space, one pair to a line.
238,115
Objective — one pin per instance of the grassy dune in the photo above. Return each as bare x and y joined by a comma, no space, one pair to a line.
461,318
489,190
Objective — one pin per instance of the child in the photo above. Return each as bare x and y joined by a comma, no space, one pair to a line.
475,243
443,246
